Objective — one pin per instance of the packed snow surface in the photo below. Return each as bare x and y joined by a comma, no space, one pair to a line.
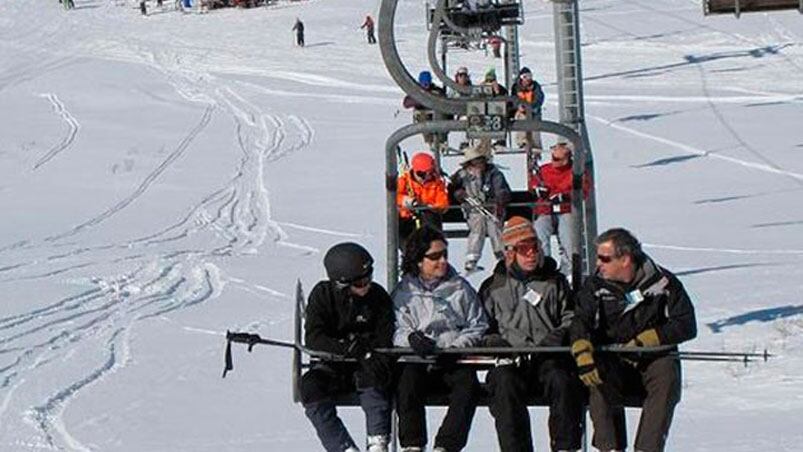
166,178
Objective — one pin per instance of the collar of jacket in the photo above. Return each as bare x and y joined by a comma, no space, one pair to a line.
547,268
420,284
649,278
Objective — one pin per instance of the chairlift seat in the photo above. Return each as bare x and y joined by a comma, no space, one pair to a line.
490,18
745,6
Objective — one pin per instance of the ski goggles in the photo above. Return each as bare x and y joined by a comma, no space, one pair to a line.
424,175
359,282
526,247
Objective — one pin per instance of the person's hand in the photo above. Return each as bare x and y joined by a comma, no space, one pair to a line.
358,349
377,371
583,353
647,338
495,340
541,192
409,202
460,195
421,344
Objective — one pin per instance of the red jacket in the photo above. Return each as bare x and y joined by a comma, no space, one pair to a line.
432,193
556,188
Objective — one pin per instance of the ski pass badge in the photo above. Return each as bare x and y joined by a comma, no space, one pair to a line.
532,297
632,299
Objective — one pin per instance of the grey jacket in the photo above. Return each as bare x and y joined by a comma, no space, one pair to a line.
450,313
492,187
529,310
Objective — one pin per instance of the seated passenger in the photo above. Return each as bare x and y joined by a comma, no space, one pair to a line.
435,308
531,100
552,184
496,87
422,113
422,186
349,315
529,304
479,186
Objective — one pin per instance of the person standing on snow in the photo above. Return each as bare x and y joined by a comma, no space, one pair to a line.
630,300
298,27
368,25
143,8
435,308
422,186
552,184
479,185
349,315
529,304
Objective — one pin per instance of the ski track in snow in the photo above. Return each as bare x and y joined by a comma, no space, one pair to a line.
72,123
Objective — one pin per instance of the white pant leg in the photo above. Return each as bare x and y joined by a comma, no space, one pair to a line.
476,236
565,243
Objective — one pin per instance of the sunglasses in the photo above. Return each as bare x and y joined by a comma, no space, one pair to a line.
358,283
424,174
437,255
526,248
605,259
462,74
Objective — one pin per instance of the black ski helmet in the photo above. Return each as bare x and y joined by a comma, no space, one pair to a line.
347,262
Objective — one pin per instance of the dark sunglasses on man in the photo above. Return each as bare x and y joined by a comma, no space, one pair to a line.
358,283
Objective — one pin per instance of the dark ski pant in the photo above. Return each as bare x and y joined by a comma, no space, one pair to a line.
657,379
300,39
371,37
317,388
419,380
408,225
511,386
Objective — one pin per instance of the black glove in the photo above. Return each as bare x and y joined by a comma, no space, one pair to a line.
495,340
421,344
460,195
358,348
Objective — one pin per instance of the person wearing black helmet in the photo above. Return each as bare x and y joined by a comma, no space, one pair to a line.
349,315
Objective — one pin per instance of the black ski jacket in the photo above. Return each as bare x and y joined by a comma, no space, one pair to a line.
612,313
528,310
334,318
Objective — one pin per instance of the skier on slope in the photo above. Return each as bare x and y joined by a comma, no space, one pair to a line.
368,25
349,315
298,27
630,300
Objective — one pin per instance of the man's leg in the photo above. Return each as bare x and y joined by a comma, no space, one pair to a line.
410,399
565,243
453,433
508,406
605,405
565,394
316,389
476,238
544,231
375,404
662,381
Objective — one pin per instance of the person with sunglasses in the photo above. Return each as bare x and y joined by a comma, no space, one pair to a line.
531,100
435,309
349,315
630,300
529,304
422,187
552,186
483,192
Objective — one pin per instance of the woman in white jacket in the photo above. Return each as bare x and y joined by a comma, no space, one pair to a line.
435,308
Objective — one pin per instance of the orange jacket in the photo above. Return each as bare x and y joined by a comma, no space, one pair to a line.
432,193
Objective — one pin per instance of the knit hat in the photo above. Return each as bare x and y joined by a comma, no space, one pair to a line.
425,78
462,70
423,162
517,229
490,74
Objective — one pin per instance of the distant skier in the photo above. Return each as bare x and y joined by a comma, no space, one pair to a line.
630,300
142,8
496,45
349,315
368,25
159,3
299,29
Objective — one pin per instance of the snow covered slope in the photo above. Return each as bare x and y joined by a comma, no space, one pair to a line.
165,178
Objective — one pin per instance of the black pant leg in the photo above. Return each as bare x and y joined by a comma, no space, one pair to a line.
463,392
565,394
410,399
508,405
606,402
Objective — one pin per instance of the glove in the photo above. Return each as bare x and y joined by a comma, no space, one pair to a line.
495,340
541,192
583,353
460,196
500,211
409,202
421,344
358,349
647,338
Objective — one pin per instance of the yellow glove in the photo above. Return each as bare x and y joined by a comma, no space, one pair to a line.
583,353
647,338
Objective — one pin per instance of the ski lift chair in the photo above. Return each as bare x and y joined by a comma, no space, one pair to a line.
736,7
489,18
